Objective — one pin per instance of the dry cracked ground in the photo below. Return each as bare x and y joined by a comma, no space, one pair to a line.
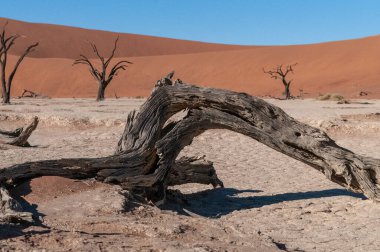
271,202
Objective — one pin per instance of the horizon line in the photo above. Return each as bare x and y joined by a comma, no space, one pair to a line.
190,40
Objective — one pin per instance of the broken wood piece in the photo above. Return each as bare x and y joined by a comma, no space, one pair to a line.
10,210
14,133
30,94
20,135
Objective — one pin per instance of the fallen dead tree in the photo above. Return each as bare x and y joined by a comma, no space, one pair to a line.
145,160
19,136
30,94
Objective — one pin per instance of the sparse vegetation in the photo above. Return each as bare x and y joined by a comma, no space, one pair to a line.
330,97
333,97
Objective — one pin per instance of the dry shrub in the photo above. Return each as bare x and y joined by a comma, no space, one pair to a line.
330,97
333,97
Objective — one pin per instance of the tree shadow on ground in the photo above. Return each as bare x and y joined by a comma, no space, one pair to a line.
8,231
18,194
215,203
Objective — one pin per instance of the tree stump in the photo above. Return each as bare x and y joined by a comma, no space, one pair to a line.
145,157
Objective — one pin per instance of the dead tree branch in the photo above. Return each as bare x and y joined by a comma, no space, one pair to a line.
11,133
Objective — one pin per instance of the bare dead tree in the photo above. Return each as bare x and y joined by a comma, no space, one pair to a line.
145,161
6,44
101,75
280,73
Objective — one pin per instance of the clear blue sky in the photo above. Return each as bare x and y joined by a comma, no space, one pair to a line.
252,22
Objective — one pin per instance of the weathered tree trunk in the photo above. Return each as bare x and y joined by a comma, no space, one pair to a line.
145,160
6,98
4,94
287,88
20,135
101,92
287,91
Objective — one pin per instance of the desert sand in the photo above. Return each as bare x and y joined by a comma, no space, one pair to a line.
271,202
345,67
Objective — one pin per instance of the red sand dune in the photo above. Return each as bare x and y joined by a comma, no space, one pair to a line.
344,67
58,41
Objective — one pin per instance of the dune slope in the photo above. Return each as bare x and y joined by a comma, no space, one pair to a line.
344,67
57,41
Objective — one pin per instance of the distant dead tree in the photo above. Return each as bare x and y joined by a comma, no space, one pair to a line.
6,44
280,72
101,75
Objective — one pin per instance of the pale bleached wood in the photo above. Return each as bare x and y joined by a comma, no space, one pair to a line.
11,210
